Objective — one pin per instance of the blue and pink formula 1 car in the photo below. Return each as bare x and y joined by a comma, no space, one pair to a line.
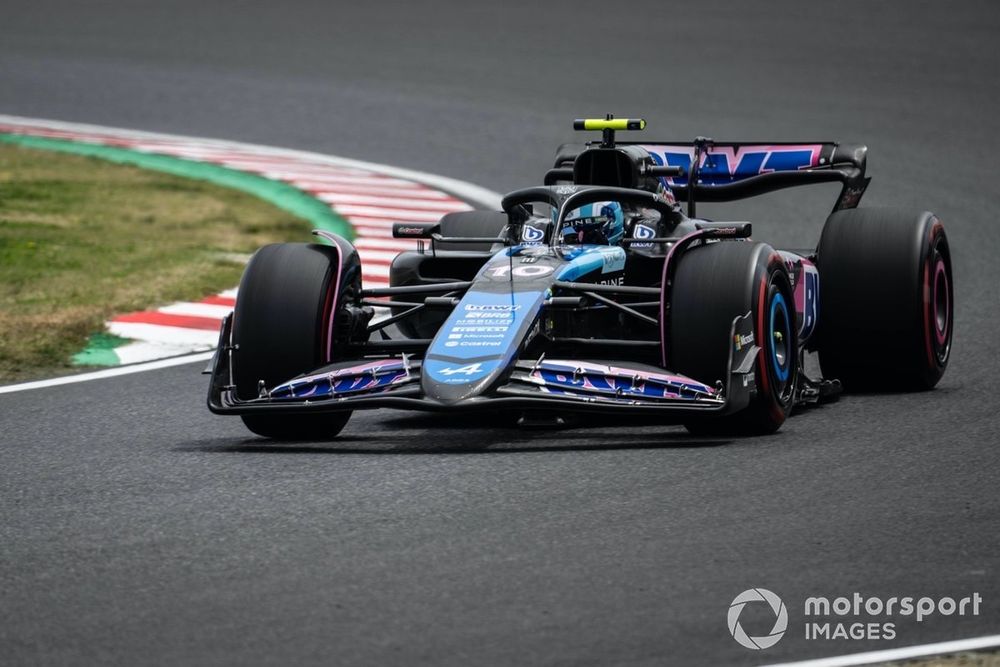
597,292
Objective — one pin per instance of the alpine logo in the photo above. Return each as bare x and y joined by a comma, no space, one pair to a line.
471,369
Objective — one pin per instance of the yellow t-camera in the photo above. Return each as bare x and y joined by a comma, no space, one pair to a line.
598,124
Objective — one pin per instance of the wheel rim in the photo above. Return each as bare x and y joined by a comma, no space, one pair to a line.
938,304
941,302
779,340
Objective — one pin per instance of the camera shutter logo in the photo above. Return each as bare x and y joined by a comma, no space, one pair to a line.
780,620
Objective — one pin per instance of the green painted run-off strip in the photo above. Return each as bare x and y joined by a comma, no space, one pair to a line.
282,195
100,351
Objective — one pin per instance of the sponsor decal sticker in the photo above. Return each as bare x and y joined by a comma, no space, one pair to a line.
502,307
614,259
728,164
471,369
451,372
483,326
532,234
643,232
620,280
810,300
742,341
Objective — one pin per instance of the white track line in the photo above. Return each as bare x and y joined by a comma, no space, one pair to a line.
109,373
893,654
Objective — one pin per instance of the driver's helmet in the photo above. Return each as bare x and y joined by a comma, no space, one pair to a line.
600,223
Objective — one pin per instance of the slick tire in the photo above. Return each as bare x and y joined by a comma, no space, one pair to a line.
886,301
285,324
715,283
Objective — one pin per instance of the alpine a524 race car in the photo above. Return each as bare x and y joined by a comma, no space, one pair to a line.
596,292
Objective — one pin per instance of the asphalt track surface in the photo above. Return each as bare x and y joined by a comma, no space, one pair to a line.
137,528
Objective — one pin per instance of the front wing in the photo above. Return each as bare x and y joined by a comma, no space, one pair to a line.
548,384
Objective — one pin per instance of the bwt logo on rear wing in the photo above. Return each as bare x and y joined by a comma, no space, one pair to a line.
725,164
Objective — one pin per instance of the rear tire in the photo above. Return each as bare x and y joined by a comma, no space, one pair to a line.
886,299
715,283
286,324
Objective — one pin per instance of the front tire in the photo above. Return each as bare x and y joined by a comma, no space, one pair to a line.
286,323
886,299
297,427
714,284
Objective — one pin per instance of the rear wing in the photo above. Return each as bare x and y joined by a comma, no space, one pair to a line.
732,170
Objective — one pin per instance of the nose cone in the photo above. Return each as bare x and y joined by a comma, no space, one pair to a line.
474,348
450,381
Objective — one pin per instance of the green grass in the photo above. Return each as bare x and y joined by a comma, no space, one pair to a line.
82,240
